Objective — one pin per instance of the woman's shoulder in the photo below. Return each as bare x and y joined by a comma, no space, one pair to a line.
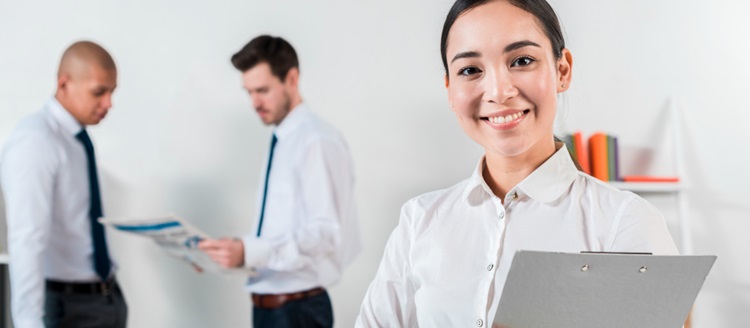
636,224
609,198
591,186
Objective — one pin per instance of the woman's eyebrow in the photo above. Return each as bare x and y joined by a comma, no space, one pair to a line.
466,54
520,44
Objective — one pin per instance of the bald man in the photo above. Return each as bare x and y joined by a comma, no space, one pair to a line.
61,272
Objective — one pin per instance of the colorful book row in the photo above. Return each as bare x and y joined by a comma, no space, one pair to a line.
600,157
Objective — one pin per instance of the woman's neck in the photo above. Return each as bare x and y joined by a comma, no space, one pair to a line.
503,173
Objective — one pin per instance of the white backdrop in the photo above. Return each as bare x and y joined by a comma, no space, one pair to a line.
182,137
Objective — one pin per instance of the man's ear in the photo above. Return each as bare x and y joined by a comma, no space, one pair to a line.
62,83
564,70
292,77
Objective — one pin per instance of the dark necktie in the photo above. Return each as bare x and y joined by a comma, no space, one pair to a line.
102,264
265,187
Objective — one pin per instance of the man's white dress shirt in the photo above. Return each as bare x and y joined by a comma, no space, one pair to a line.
310,231
446,263
43,171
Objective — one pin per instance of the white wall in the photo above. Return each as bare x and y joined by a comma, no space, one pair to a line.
182,136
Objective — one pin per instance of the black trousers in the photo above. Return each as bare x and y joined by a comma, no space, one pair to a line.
311,312
63,310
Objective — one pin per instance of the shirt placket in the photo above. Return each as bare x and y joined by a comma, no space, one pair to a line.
499,218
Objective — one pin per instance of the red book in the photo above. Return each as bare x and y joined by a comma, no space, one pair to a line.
582,154
646,178
599,158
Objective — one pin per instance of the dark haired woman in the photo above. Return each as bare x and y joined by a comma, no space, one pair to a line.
445,264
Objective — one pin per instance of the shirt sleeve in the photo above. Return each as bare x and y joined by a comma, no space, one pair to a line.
642,228
389,301
28,178
324,175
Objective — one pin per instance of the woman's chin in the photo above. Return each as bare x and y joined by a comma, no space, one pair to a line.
508,149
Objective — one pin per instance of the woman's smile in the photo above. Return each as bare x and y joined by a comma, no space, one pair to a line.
505,120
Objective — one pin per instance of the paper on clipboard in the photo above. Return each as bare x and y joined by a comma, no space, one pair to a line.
565,290
176,237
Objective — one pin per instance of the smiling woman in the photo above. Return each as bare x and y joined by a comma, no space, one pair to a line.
447,261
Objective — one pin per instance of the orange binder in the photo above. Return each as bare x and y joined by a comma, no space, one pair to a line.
599,158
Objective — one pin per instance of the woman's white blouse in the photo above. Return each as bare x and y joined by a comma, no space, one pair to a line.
446,263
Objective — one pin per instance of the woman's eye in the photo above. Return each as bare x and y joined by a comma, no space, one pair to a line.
522,61
467,71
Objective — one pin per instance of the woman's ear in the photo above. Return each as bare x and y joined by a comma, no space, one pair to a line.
564,70
447,84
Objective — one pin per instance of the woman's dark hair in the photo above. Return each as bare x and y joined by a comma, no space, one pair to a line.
275,51
539,8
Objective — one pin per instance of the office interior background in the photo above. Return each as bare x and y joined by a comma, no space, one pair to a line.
183,138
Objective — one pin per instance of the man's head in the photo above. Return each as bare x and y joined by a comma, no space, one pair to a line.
86,79
270,74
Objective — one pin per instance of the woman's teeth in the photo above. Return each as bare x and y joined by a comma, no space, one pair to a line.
504,119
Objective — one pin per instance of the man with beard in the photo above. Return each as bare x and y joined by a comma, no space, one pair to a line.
307,230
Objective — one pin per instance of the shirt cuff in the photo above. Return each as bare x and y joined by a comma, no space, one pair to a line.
257,252
29,323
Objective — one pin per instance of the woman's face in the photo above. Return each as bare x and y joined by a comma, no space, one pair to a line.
503,79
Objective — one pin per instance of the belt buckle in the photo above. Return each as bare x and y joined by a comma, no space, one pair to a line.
106,290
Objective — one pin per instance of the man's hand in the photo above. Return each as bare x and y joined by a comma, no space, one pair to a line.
227,252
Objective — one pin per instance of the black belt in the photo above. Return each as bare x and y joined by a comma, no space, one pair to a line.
88,288
275,301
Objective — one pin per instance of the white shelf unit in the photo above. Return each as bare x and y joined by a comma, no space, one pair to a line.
676,188
648,187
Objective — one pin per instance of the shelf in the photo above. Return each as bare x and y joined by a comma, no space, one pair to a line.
648,187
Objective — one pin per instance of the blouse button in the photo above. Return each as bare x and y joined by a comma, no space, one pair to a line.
480,323
489,267
501,215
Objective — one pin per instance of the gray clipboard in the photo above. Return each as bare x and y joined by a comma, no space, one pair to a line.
566,290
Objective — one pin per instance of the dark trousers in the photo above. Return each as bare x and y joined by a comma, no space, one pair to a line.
62,310
311,312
